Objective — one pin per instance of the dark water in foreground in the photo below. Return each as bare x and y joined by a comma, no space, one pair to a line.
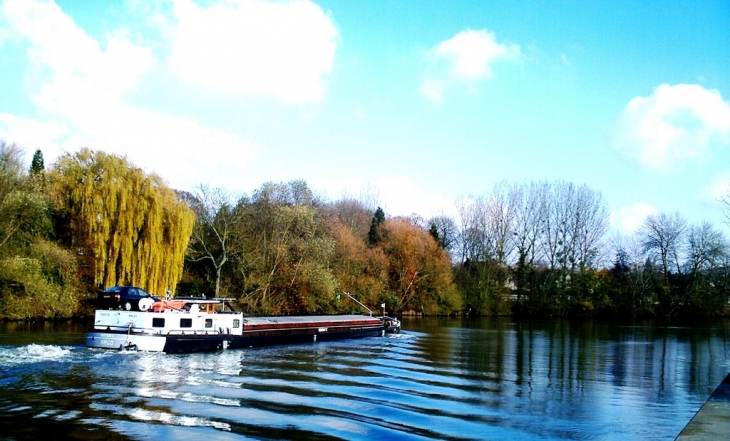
441,379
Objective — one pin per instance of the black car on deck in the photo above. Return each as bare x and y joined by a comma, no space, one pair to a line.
124,297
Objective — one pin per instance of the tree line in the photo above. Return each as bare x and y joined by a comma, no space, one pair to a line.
542,248
282,250
93,220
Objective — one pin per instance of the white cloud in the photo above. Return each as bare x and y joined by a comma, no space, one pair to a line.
180,150
44,135
471,53
671,126
628,219
464,59
401,197
74,62
81,86
255,47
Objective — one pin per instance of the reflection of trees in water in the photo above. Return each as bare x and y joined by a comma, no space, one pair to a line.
60,332
567,367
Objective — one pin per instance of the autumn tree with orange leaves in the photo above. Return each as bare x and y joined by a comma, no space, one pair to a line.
418,269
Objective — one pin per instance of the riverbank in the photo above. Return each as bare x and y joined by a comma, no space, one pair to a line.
712,421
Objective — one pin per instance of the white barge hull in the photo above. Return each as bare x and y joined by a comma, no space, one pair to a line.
126,342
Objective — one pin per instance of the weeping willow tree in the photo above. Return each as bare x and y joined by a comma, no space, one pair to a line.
132,225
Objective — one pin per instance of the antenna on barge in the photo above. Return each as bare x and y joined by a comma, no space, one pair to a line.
358,302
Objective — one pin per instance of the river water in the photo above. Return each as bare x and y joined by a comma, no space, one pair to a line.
452,379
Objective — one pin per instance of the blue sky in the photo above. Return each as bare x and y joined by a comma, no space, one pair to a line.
415,103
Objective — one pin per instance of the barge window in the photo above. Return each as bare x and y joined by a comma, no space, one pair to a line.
158,322
186,323
236,323
208,323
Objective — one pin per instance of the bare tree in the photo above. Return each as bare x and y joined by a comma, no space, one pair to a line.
636,281
704,247
498,220
591,225
662,238
447,231
575,225
487,226
212,236
529,202
11,160
470,237
557,238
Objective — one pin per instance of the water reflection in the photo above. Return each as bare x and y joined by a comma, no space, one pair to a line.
584,380
442,379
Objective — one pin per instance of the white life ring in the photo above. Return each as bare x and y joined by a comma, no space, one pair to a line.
145,304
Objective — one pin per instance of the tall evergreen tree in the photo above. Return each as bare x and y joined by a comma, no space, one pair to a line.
374,233
37,165
434,232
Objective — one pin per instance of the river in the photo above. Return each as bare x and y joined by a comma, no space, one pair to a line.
451,379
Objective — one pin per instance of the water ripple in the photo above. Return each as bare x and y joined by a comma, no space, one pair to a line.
444,383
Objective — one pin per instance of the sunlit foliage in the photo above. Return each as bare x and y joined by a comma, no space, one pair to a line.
37,276
40,285
419,270
93,220
285,256
361,270
130,222
290,253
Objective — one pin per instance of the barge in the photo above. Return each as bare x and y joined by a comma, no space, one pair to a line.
182,325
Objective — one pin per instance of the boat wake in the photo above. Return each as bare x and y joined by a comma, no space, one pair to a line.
33,353
401,335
